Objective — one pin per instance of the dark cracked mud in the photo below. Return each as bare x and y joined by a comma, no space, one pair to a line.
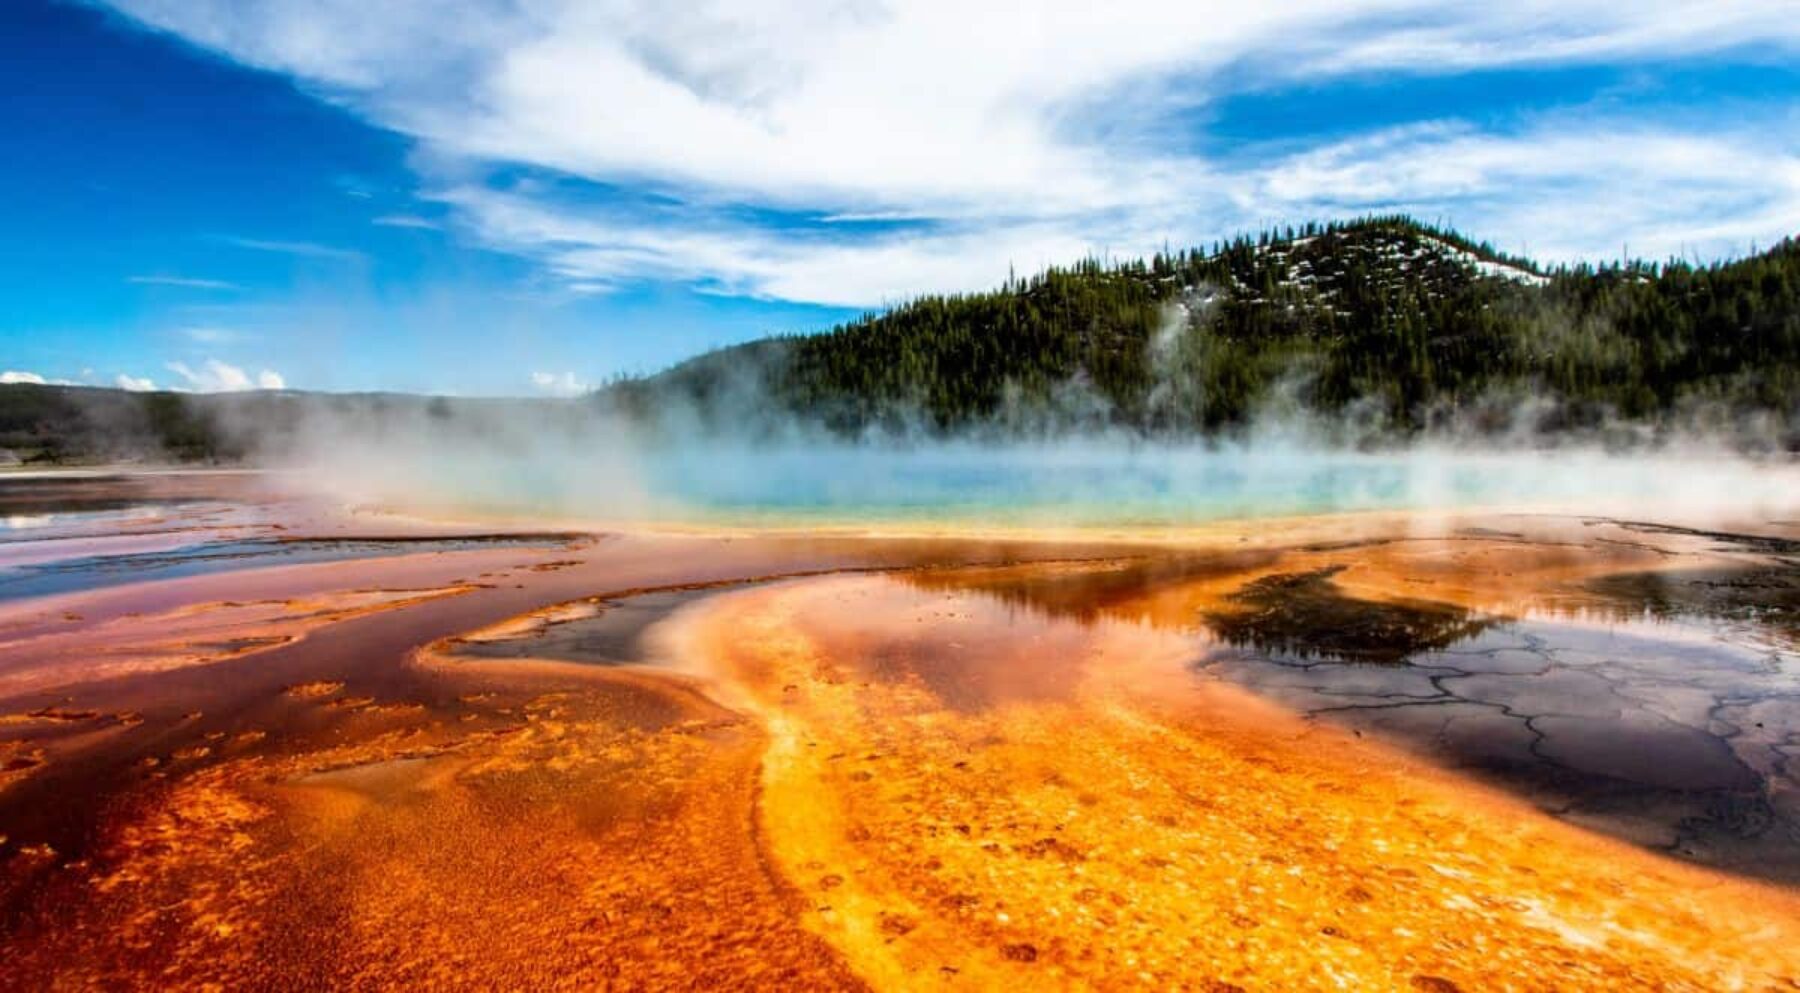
1641,730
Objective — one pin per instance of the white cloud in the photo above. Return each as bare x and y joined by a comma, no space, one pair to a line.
996,132
564,384
302,249
1566,189
1539,32
186,282
214,376
12,376
134,384
406,221
931,104
593,252
208,334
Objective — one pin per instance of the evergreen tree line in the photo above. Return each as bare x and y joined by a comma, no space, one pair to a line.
1396,326
1395,322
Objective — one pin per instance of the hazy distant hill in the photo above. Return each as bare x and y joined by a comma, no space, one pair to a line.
58,424
1384,322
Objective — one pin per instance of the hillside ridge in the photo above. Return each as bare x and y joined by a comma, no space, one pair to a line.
1400,322
1384,326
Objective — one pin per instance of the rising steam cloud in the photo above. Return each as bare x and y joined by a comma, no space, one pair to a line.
573,462
1056,460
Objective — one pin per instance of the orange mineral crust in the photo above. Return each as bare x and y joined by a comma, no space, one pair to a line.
956,821
740,761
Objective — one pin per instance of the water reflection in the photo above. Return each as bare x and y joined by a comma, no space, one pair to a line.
92,572
601,631
1758,595
1306,616
1127,588
1661,708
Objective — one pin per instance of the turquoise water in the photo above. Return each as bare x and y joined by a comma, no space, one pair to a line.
1095,483
1088,487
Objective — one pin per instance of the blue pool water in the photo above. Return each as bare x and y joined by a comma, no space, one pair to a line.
1099,484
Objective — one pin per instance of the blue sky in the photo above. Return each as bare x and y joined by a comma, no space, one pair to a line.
501,197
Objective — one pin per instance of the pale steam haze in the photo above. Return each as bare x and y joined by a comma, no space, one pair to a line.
488,214
521,469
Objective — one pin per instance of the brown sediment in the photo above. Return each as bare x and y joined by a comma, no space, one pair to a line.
314,690
595,833
17,760
613,826
193,635
899,763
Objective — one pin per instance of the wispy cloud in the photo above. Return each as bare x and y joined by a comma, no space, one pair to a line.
946,140
207,334
1566,188
406,221
134,384
187,282
303,249
593,251
214,376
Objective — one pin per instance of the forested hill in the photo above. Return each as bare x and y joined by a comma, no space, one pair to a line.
1385,325
1394,322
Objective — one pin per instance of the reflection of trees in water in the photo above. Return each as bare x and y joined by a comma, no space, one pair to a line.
1306,614
1590,722
1090,591
1765,592
1764,595
1302,614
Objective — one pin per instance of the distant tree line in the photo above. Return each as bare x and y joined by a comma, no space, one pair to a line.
1397,326
1397,322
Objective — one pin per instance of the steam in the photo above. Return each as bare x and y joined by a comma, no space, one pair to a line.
576,462
1058,456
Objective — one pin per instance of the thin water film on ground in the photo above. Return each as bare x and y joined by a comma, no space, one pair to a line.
250,739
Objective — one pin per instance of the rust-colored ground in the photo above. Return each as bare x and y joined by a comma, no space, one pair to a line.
847,762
